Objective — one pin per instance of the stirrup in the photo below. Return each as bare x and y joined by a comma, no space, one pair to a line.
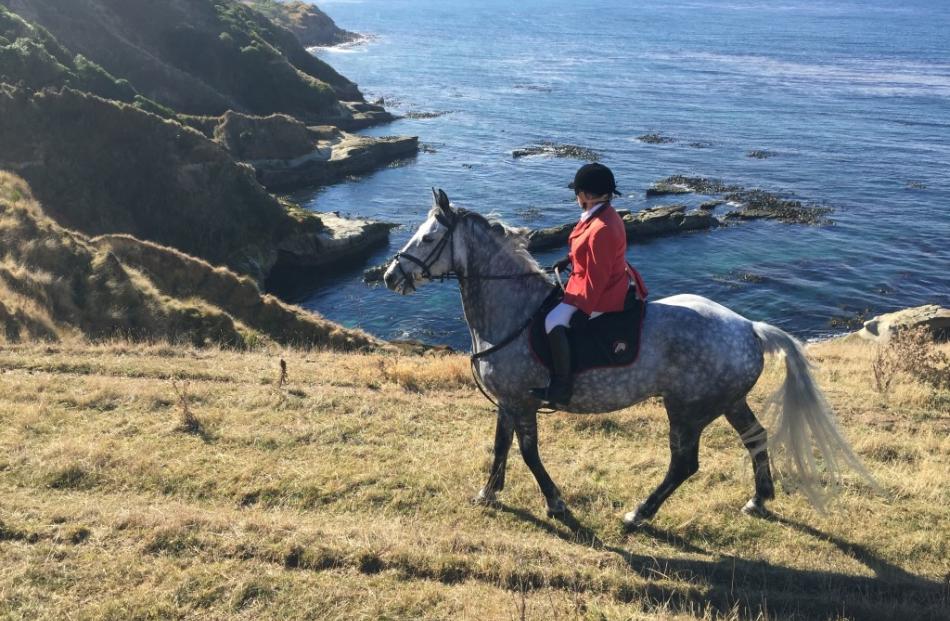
553,400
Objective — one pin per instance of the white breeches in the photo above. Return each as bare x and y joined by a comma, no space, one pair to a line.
561,315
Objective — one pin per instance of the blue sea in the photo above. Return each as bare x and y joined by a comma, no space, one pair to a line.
851,97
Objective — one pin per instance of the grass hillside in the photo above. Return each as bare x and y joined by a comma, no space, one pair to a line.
196,56
100,167
166,482
56,284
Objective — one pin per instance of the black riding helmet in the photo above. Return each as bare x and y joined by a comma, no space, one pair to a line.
594,178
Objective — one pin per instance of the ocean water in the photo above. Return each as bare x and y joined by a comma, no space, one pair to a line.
853,97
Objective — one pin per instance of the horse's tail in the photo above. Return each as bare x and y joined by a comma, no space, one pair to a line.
804,417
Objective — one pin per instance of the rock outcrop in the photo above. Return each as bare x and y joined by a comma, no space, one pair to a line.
751,204
339,240
311,26
656,138
644,224
336,155
287,155
932,317
552,149
679,184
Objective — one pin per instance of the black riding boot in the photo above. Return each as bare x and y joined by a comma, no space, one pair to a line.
562,382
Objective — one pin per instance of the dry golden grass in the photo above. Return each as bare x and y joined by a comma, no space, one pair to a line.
57,284
343,493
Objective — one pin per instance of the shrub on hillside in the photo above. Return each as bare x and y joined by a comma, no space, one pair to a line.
31,57
913,353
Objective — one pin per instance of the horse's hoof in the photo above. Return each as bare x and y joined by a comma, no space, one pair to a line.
485,498
755,508
558,508
635,519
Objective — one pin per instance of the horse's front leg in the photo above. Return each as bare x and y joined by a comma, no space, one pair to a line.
504,429
526,426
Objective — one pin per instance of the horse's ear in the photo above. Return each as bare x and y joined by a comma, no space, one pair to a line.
442,200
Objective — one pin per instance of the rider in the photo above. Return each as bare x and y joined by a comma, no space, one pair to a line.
600,275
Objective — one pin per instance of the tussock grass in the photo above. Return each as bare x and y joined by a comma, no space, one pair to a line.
57,284
341,490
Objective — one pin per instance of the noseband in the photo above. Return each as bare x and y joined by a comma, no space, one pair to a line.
434,254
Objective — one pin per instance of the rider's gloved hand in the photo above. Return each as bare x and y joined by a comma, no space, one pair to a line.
562,264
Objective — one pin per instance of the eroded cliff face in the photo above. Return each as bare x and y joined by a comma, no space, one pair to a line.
100,167
197,56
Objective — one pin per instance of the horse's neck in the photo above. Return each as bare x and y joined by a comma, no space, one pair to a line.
496,308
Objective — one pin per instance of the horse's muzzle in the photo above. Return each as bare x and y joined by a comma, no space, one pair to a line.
397,279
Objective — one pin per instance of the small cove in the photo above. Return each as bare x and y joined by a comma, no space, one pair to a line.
851,103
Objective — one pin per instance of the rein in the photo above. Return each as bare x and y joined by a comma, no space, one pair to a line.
508,340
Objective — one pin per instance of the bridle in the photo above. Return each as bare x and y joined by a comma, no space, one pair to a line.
426,264
450,221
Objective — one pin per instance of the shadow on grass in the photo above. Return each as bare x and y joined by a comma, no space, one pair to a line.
758,589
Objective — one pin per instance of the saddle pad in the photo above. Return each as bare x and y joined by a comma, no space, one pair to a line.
609,340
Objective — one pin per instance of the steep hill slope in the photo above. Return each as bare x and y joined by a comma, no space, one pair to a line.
56,284
197,56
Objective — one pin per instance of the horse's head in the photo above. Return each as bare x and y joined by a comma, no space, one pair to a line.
430,253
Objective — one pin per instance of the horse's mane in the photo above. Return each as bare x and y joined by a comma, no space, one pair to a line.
514,238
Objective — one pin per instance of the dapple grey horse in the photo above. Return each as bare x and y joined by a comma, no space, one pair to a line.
701,358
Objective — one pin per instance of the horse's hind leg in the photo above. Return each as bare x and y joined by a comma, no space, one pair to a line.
753,435
526,427
504,429
684,462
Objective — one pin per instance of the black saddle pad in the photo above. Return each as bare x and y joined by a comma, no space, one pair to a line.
610,340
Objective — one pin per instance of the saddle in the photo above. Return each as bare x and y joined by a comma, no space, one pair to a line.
608,340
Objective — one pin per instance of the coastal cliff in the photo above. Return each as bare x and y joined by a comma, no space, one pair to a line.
116,153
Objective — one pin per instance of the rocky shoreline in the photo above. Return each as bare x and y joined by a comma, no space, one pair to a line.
645,224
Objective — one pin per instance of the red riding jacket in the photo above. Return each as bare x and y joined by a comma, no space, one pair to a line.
600,273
